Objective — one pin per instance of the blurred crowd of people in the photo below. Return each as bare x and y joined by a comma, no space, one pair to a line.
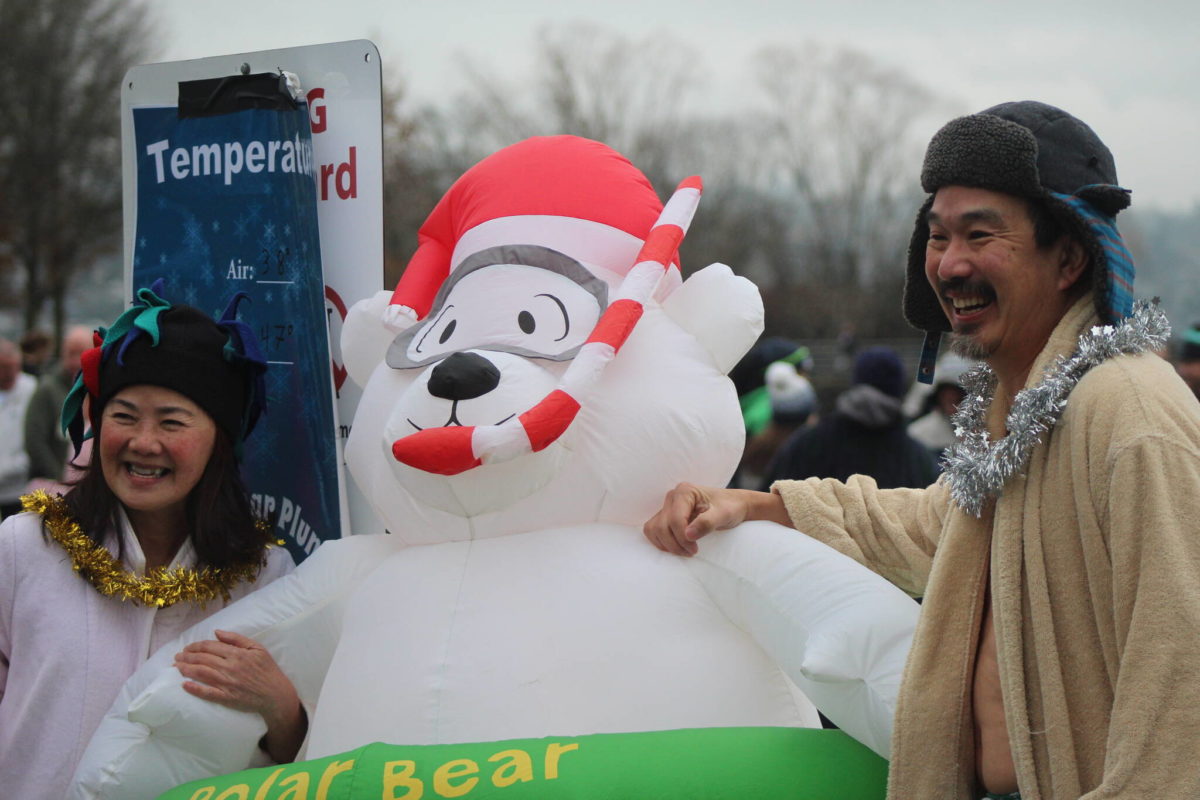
882,424
33,385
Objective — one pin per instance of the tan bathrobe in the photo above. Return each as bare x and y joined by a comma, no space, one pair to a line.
1095,574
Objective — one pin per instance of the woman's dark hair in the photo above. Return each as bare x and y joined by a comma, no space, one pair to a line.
224,528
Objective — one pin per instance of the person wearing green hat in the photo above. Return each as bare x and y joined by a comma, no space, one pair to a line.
157,535
1058,647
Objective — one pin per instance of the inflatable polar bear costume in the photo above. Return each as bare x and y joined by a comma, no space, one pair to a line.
519,599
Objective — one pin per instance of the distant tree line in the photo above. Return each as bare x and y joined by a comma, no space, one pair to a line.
810,190
811,193
61,66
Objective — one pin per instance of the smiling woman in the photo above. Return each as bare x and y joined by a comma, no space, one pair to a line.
154,446
156,535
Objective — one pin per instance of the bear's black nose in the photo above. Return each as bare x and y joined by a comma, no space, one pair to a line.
463,376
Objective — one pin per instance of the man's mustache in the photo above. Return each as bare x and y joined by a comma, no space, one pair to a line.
966,286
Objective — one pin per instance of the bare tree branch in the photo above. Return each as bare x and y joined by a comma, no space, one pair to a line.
847,134
61,69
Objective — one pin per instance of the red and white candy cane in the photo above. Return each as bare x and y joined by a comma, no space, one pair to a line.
455,449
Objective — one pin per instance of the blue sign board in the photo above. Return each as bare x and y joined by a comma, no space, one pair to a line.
227,204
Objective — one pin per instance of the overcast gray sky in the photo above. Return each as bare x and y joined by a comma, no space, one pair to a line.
1128,68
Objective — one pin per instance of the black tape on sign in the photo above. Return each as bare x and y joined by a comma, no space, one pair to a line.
212,97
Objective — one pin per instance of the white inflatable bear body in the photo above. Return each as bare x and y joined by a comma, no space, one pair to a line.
552,614
519,598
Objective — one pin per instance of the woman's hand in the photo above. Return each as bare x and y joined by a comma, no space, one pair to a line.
690,512
238,672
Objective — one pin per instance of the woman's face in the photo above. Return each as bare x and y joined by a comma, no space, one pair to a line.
154,445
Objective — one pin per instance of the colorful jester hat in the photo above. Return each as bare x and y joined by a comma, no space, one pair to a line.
216,364
555,196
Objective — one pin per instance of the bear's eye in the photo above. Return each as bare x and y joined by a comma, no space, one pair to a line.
527,322
566,318
430,328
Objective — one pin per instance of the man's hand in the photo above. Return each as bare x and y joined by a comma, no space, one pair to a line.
238,672
690,512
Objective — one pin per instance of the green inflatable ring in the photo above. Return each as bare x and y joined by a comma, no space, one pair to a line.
743,763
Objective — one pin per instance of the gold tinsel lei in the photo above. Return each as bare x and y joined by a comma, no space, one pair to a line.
161,587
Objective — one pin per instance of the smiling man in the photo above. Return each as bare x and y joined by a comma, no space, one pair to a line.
1002,289
1059,645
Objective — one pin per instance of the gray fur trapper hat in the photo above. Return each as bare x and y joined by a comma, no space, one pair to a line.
1036,151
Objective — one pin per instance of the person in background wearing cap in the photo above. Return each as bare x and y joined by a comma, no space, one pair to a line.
157,535
932,426
863,436
1058,650
777,399
1188,365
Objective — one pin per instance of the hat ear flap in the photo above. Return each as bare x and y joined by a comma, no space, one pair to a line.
921,307
1106,198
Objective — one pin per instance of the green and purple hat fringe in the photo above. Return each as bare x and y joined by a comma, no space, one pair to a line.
142,320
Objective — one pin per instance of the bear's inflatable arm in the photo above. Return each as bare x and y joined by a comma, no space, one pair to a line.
157,736
839,631
723,311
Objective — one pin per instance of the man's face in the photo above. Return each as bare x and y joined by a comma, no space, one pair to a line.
75,343
1002,293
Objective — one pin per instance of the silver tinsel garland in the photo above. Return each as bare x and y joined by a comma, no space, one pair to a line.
975,467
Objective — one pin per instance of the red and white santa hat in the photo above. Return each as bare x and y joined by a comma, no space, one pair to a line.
574,195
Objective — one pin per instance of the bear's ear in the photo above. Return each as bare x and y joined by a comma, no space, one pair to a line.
723,311
366,337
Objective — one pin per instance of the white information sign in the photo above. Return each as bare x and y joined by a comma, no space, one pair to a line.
343,85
